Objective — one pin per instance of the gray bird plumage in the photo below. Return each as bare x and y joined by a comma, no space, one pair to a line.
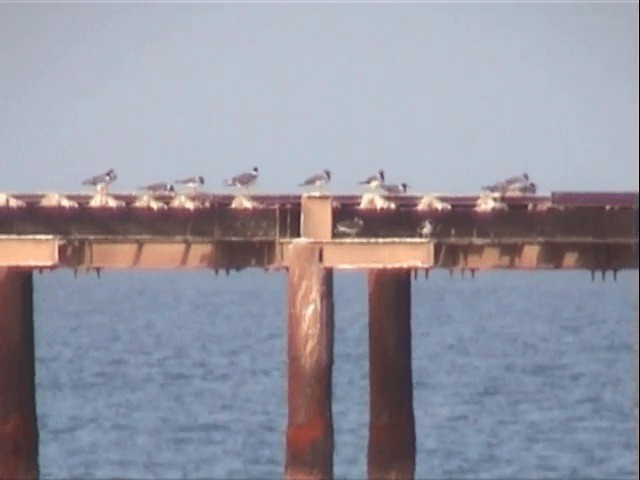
191,182
374,181
103,181
528,188
519,184
395,189
160,187
317,180
243,180
524,178
497,187
105,178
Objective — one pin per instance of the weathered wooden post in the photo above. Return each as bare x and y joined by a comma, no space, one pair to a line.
309,435
392,440
18,424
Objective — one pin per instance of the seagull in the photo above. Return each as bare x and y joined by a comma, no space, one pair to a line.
317,180
102,181
511,184
160,187
521,189
425,229
350,227
243,180
396,189
192,183
498,187
524,179
374,181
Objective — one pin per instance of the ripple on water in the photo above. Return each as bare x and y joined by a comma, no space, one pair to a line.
516,376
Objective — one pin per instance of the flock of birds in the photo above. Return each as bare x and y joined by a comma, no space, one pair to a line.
518,185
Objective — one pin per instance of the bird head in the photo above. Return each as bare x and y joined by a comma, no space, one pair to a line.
381,174
254,170
327,173
201,179
404,187
170,188
525,176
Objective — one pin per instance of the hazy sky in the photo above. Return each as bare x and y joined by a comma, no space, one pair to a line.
444,96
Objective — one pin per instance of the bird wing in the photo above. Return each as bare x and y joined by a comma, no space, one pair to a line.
154,187
94,180
186,180
516,179
318,177
496,187
370,179
392,188
243,178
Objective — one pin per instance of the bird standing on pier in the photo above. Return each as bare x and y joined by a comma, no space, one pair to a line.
374,181
518,179
425,229
350,227
498,187
101,182
317,180
160,187
528,188
395,189
192,183
243,180
518,185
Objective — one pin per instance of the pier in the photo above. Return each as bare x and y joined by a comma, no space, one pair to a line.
392,238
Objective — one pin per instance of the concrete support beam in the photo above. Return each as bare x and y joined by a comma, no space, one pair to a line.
309,435
316,220
371,253
392,439
25,251
18,424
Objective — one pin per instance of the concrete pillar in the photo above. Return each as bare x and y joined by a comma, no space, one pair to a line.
309,435
392,440
18,424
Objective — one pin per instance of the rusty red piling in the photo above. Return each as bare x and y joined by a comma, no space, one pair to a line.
392,440
309,435
18,424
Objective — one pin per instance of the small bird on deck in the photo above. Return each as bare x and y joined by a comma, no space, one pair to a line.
518,179
374,181
425,229
101,182
528,188
498,187
512,182
317,180
243,180
518,185
395,189
192,183
160,187
350,227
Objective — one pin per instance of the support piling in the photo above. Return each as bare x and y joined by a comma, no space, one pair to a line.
392,441
309,435
18,423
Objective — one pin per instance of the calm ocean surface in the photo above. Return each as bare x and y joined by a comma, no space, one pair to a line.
182,375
